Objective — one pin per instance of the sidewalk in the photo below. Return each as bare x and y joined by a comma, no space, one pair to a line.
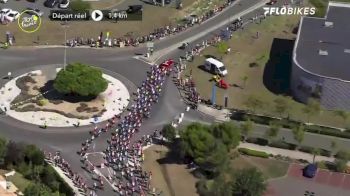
289,153
70,183
219,115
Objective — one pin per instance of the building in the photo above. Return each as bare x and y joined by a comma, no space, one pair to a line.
321,59
7,188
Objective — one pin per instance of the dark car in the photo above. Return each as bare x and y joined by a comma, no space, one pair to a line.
134,9
50,3
310,170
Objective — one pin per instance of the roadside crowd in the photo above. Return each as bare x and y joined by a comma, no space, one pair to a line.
57,161
157,34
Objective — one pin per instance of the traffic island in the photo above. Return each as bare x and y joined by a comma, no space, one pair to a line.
32,98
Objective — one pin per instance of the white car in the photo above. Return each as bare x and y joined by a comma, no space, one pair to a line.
64,4
5,11
12,15
3,1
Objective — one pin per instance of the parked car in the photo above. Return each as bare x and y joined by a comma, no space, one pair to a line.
310,170
50,3
134,9
36,10
12,15
64,4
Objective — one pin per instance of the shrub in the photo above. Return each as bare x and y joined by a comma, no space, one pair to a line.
254,153
342,154
259,141
283,145
42,102
325,153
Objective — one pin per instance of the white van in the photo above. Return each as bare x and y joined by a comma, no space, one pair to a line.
214,66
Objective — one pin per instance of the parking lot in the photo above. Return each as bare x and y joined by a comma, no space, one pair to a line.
334,179
325,183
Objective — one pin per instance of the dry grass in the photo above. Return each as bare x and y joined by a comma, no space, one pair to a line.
246,49
171,179
51,32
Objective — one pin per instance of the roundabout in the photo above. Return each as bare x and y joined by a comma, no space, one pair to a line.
31,98
119,64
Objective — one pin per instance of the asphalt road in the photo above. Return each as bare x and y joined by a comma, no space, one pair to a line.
68,140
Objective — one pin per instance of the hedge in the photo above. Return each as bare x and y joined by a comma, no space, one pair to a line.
254,153
259,141
289,124
283,145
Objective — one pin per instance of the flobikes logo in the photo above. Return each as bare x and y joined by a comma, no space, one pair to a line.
29,21
304,11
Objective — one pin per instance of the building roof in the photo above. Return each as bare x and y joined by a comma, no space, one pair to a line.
323,44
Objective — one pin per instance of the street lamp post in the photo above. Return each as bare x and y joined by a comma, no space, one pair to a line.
65,49
65,26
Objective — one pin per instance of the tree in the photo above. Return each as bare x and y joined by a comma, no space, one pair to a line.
14,154
315,152
298,133
3,150
80,6
244,79
274,129
253,102
169,132
342,114
312,108
247,128
248,182
80,79
282,105
198,143
228,133
34,155
37,190
340,165
50,177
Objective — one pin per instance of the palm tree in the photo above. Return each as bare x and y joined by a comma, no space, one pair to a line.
334,145
315,152
246,128
312,108
273,130
298,133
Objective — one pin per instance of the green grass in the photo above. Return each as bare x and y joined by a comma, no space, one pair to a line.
255,153
18,180
269,167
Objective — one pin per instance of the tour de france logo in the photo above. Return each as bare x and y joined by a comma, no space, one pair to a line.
29,21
